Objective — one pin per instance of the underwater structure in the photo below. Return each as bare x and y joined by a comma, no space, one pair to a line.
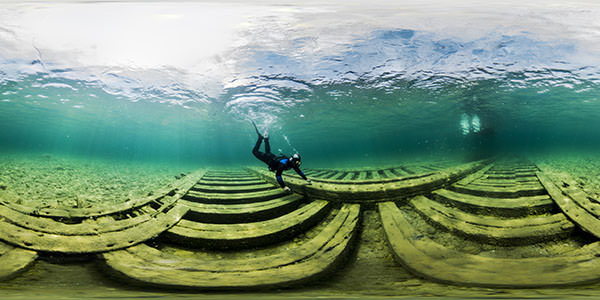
492,223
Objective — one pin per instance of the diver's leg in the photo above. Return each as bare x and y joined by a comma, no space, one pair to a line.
267,145
255,150
262,156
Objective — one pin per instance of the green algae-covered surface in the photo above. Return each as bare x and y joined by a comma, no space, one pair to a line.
370,272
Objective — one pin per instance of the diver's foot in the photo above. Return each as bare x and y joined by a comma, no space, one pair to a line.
264,135
256,128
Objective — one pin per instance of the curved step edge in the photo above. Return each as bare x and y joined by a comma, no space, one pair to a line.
505,207
35,240
574,204
428,259
376,191
242,213
326,259
14,260
247,235
493,230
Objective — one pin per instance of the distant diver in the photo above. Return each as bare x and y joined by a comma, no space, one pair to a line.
278,164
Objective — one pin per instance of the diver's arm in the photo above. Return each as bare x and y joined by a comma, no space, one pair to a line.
301,174
279,178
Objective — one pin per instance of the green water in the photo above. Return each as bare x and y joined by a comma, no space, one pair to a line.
371,93
360,124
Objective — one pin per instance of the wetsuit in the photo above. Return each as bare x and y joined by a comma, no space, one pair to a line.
276,163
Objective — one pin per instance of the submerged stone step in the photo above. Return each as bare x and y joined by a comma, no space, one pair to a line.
430,167
228,179
574,202
371,174
216,175
478,174
247,235
91,241
499,192
402,171
240,172
331,174
298,263
237,198
516,180
387,174
430,259
504,184
323,174
505,207
375,190
242,213
486,183
340,176
232,189
310,171
86,227
515,176
491,229
230,182
512,172
14,260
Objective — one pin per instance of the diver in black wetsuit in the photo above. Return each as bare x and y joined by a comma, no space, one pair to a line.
277,163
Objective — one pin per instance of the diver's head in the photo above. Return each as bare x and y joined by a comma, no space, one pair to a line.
295,160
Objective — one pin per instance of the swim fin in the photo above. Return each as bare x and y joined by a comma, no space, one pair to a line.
256,128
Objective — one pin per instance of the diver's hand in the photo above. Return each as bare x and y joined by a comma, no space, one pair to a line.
287,189
308,181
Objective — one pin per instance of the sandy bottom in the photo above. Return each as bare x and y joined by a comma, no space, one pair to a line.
45,180
584,167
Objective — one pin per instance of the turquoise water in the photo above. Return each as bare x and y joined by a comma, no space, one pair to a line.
342,84
104,101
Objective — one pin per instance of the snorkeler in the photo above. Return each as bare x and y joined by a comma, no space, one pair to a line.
277,163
